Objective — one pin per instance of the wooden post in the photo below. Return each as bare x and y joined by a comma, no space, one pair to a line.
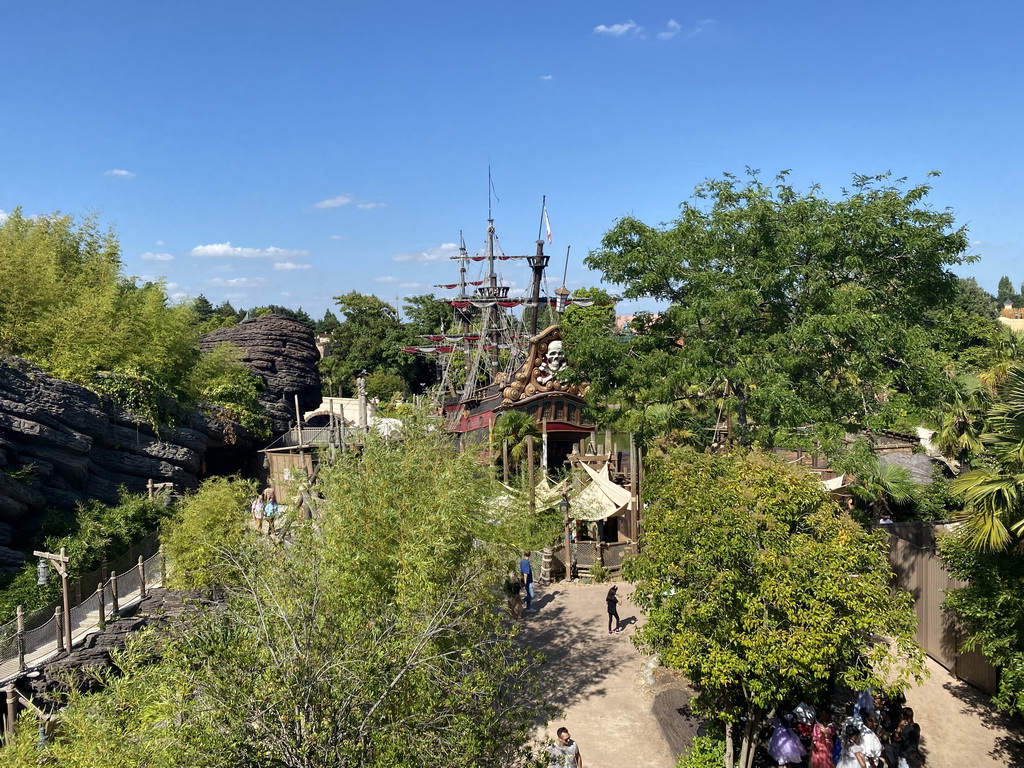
600,553
639,489
114,607
102,601
544,447
149,487
64,590
12,711
142,579
633,482
58,623
504,459
568,540
298,420
529,473
21,638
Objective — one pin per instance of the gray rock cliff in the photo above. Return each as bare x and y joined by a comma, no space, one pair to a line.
283,353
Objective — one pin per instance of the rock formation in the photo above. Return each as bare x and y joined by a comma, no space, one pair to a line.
61,444
283,352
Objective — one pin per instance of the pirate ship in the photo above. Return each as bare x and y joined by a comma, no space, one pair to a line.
494,359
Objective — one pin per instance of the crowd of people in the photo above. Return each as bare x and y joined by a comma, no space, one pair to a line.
879,733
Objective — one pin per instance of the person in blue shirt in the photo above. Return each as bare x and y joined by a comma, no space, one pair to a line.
527,571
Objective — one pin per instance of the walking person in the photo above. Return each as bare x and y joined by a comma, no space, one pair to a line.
527,572
258,512
613,610
565,753
270,510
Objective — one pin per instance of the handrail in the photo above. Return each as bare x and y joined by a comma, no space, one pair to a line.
23,647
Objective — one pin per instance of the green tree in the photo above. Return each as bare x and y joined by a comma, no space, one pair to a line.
220,378
517,429
327,324
208,529
994,493
371,338
374,639
428,314
1006,293
813,311
961,420
203,308
65,305
760,590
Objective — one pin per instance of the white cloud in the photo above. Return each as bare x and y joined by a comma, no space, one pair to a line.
3,215
370,206
618,30
410,285
385,279
547,77
121,173
222,250
157,257
672,29
287,266
335,202
339,237
437,253
235,282
701,26
159,242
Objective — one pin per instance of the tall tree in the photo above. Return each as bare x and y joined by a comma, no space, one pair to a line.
762,591
427,314
369,338
994,492
1005,291
811,310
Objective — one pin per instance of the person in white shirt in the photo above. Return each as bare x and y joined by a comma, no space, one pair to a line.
565,753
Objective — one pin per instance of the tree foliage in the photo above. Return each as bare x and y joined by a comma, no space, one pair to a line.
375,638
210,523
369,338
761,590
65,305
794,308
994,491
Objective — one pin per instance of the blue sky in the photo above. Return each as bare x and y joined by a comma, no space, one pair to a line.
288,153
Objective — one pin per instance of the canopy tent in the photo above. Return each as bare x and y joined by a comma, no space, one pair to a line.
600,499
834,484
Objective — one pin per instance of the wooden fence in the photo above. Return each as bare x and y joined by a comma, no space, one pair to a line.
920,572
588,554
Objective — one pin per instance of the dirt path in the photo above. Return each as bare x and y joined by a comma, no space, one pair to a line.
602,682
624,713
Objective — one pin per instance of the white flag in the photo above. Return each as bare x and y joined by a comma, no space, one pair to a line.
547,224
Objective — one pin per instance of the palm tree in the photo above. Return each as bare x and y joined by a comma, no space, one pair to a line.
961,420
994,494
516,428
878,485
